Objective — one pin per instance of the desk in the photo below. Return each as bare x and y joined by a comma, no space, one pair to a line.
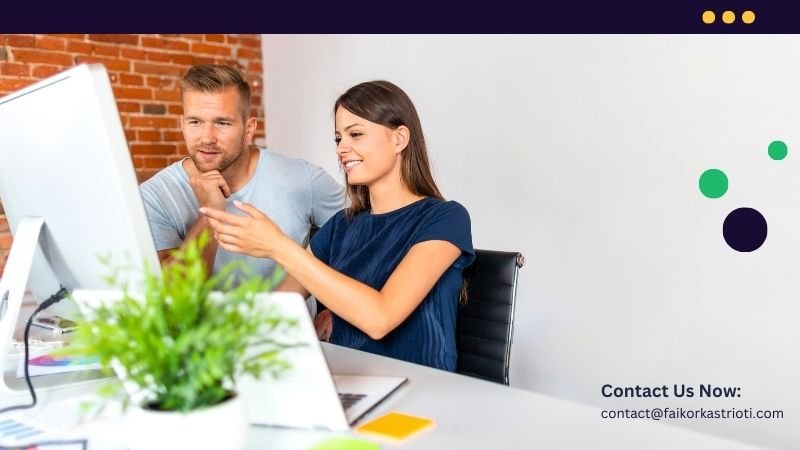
469,413
476,414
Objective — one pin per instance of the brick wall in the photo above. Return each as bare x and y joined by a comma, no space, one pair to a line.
144,70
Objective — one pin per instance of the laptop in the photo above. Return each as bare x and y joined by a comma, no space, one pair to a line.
308,395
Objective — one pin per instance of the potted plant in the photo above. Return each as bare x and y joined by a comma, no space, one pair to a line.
179,343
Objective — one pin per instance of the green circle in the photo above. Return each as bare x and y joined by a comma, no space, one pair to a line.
777,150
713,183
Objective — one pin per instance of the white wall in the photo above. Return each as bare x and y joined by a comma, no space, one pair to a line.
584,153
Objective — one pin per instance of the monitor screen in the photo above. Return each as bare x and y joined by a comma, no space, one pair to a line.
64,158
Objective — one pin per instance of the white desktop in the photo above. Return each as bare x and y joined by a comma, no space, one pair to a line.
69,191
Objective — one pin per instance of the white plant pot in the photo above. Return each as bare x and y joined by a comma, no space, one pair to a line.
222,426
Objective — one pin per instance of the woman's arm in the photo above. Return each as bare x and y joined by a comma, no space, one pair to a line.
374,312
289,284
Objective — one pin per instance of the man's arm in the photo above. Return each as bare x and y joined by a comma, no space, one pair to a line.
209,251
211,190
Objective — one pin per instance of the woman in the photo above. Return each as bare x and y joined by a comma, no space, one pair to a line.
389,266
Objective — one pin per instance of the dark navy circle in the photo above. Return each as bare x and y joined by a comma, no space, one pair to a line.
745,229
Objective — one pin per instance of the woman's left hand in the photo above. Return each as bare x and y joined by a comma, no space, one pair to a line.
254,234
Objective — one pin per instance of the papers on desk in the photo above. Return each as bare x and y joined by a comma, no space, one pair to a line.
17,430
45,363
65,420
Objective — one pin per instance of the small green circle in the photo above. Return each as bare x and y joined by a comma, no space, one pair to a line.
713,183
777,150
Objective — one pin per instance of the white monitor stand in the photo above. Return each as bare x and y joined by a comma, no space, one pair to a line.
13,285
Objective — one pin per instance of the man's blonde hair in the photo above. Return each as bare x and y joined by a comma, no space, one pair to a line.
212,78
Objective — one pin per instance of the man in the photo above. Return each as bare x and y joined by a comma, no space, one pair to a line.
224,167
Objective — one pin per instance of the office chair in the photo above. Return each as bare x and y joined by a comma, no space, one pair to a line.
485,323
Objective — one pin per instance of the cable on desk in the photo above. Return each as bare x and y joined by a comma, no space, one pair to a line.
55,298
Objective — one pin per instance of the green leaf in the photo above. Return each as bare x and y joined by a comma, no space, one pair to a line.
177,339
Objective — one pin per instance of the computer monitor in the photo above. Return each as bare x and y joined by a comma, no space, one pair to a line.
65,164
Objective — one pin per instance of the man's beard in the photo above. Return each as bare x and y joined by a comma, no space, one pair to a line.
223,164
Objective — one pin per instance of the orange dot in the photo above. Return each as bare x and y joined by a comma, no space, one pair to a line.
728,17
709,17
748,17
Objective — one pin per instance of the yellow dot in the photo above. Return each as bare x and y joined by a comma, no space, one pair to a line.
748,17
728,17
709,17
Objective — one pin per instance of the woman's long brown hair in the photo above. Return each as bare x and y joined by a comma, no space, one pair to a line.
386,104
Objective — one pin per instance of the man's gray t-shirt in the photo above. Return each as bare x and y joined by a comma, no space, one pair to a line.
294,193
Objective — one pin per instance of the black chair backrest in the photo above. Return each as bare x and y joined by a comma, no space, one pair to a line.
486,321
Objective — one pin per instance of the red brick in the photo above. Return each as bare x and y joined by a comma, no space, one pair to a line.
148,135
8,85
175,109
132,53
21,40
80,47
70,36
119,65
173,136
152,149
169,44
133,93
170,95
249,53
204,60
211,49
106,50
254,66
130,39
194,37
250,41
154,162
15,69
46,71
131,80
231,39
130,135
187,60
154,109
214,38
51,43
158,57
130,107
158,69
153,122
175,158
161,82
38,56
5,240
